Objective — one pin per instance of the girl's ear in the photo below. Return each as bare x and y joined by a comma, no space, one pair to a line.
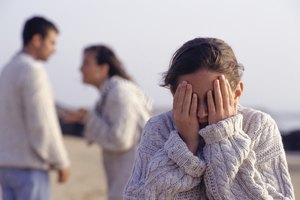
238,91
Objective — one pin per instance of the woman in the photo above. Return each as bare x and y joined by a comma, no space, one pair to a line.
208,146
118,118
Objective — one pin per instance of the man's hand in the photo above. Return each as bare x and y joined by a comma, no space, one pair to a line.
63,175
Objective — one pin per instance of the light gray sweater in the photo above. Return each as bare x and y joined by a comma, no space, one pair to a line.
241,157
30,136
116,125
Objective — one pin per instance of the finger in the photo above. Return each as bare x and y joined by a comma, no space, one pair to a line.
175,98
193,111
187,100
218,96
181,95
224,92
210,103
230,94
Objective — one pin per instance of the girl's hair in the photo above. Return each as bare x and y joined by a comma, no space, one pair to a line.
203,54
105,55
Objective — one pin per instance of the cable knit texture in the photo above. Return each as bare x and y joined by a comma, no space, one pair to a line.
242,158
30,136
116,125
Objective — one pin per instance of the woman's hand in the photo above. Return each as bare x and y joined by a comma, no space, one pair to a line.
185,115
75,116
222,105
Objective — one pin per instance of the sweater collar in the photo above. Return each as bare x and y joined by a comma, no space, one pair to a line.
107,84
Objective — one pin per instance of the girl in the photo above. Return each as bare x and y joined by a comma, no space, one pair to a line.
208,146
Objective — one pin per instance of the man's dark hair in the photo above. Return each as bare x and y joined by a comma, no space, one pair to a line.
37,25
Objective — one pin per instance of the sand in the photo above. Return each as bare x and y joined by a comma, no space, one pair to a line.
87,181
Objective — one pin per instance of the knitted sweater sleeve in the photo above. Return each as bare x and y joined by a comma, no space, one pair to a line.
240,167
164,167
40,117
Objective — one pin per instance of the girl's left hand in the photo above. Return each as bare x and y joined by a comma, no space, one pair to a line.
220,102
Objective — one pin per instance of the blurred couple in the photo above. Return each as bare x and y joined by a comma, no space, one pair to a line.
117,120
31,141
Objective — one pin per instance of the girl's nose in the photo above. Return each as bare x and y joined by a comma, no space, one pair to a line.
202,112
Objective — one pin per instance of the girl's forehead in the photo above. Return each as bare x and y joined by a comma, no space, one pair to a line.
201,81
202,76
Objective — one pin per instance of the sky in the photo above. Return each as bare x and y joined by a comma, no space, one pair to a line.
264,34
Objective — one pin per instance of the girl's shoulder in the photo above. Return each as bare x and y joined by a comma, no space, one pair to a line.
255,120
164,119
254,114
159,126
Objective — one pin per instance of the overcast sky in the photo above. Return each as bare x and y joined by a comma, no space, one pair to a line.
265,35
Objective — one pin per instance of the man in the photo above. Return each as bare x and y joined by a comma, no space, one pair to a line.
30,138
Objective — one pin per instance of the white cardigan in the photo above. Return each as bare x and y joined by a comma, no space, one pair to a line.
242,158
30,136
116,125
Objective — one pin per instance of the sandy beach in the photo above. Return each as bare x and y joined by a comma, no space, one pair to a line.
87,181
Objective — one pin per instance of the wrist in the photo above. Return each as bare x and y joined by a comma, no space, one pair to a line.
193,145
191,139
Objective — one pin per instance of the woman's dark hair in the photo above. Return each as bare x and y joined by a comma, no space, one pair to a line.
105,55
203,53
37,25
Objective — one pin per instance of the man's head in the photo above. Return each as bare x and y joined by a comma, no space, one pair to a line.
39,37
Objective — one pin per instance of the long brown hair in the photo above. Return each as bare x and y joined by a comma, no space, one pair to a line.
106,55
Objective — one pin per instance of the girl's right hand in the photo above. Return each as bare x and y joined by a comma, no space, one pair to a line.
185,115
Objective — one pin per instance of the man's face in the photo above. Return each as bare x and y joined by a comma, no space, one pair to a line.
47,45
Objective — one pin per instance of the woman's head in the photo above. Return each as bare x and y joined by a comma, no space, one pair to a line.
99,63
209,54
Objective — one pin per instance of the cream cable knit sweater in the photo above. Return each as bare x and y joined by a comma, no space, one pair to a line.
242,158
30,136
116,125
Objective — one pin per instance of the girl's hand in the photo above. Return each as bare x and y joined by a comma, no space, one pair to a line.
185,115
222,105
